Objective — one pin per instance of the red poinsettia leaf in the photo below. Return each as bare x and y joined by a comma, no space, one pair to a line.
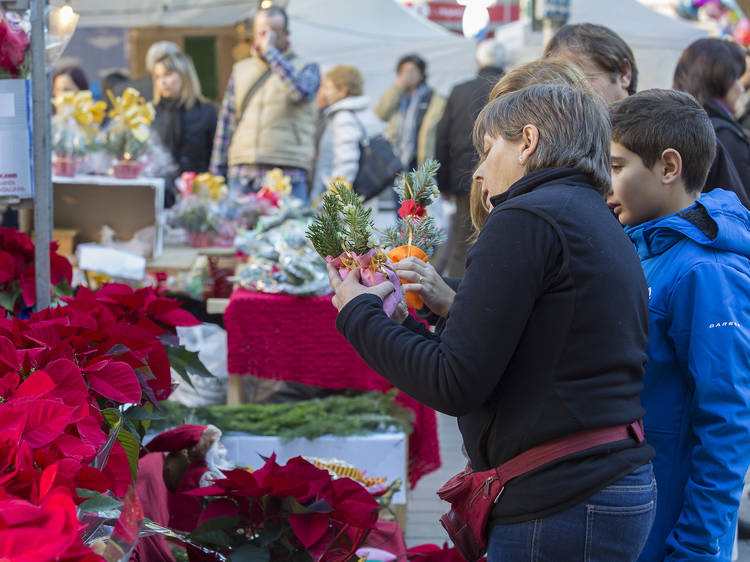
17,512
38,383
117,470
47,480
114,380
73,448
67,375
7,267
46,420
90,430
44,334
8,358
89,478
309,528
8,383
353,504
221,507
60,269
28,285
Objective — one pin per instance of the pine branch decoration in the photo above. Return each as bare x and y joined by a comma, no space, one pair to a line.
342,225
425,235
416,190
419,184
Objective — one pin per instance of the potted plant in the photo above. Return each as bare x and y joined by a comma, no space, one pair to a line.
416,233
342,234
127,136
74,126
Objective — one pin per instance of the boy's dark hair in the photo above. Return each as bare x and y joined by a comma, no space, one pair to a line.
416,60
276,11
602,45
708,68
652,121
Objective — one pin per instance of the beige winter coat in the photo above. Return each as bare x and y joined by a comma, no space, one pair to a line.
274,129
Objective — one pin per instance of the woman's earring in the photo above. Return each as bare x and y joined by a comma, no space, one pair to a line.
520,159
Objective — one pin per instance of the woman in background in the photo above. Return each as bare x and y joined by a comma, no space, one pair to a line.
69,79
185,120
710,69
345,120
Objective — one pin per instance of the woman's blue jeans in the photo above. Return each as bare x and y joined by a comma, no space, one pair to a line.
610,526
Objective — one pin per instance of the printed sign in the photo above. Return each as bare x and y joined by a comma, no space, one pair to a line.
15,155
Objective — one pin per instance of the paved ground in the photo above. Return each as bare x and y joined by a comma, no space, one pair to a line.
424,508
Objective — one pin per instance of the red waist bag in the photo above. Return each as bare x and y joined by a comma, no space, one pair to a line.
472,495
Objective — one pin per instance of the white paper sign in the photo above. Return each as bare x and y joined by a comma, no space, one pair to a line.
15,146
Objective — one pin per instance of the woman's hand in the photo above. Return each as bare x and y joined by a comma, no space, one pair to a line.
349,288
423,279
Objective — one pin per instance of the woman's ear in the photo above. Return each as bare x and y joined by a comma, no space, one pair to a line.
530,140
672,165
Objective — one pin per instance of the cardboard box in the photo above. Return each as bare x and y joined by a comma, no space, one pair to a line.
86,203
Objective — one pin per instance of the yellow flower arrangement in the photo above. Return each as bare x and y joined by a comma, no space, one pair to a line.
206,184
132,112
276,182
130,129
76,122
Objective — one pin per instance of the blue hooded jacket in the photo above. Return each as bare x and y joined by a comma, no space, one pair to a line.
697,382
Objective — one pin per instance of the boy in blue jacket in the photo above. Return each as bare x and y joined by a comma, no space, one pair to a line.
695,252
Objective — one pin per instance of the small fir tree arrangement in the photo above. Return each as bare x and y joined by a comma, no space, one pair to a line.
343,235
415,234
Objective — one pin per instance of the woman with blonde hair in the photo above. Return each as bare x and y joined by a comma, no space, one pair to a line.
345,120
185,120
438,292
541,370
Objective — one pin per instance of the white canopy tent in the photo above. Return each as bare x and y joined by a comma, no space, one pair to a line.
657,40
370,34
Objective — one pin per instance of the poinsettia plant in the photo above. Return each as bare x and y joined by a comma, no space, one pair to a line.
78,385
343,235
416,234
296,511
18,272
14,46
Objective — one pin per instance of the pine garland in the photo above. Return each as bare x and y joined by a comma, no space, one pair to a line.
342,225
344,415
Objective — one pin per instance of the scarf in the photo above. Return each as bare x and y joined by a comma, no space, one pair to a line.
407,130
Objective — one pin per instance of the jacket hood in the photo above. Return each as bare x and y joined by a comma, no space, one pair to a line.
351,103
716,220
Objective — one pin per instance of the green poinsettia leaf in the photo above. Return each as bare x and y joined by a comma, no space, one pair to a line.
250,553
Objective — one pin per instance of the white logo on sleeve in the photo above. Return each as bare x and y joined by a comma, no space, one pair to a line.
725,325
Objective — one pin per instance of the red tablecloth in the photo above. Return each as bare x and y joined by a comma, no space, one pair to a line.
295,339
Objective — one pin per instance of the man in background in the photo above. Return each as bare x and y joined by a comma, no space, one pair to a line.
455,151
269,114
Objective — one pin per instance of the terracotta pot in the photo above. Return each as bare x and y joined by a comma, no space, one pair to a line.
127,169
399,253
65,166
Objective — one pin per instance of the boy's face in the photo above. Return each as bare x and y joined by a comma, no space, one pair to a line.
637,194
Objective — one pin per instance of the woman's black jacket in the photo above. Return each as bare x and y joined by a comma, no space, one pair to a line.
188,134
546,337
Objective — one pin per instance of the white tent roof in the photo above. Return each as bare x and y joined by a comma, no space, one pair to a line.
639,25
657,40
370,34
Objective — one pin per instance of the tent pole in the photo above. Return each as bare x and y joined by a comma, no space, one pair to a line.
42,176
